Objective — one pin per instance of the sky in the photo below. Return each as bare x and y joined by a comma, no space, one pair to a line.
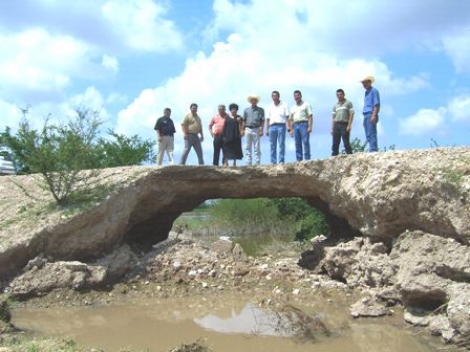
130,59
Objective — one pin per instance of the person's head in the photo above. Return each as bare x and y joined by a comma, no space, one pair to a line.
297,96
193,108
340,94
221,109
367,82
233,108
253,99
275,96
167,112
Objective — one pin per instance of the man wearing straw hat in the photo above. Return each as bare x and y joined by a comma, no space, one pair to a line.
252,127
371,112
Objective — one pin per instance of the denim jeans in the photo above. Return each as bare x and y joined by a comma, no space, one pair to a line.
340,132
371,132
192,141
218,145
252,144
302,139
277,136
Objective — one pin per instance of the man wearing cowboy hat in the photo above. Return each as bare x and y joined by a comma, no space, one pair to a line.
371,112
252,127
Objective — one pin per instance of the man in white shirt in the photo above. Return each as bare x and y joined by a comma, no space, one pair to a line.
278,113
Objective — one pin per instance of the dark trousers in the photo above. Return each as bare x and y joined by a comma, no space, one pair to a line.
218,146
340,132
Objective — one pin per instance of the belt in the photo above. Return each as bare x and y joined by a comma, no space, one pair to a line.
251,126
277,124
298,122
341,122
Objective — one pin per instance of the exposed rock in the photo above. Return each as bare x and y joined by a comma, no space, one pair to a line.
379,195
238,253
223,247
74,274
311,258
368,307
409,212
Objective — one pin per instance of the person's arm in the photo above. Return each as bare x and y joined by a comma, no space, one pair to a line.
261,128
184,128
351,118
376,102
210,127
310,123
201,132
310,119
290,123
243,124
267,126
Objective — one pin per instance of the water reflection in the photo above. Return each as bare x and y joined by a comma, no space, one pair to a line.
227,324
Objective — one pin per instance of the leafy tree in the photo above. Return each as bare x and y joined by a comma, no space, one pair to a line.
68,154
310,221
58,152
123,150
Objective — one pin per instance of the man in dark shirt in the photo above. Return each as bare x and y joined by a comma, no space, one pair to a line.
165,130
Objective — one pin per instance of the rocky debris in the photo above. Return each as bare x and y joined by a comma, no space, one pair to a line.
357,262
433,275
192,347
428,274
311,258
379,195
368,307
39,280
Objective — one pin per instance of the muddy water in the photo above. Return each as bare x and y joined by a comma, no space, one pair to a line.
225,324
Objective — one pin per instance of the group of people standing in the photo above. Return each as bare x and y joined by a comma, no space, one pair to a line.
228,128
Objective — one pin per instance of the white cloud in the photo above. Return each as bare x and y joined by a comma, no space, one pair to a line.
457,47
459,108
110,63
141,25
425,121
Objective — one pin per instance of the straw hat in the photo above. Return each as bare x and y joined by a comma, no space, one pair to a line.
368,78
253,96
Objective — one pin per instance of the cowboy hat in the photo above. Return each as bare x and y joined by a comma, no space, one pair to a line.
253,96
371,79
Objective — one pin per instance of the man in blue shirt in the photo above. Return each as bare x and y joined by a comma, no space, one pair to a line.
371,112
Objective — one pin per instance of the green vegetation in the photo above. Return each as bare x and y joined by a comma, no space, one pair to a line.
359,146
255,223
67,155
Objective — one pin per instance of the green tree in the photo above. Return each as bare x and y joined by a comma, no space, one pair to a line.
68,154
123,150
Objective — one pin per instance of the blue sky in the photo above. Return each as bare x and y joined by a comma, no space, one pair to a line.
133,58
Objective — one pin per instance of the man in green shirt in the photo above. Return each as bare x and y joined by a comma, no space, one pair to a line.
343,114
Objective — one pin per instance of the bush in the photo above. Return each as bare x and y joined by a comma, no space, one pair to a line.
68,154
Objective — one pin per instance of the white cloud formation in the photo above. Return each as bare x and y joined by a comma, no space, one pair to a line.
424,122
457,46
141,25
459,108
110,63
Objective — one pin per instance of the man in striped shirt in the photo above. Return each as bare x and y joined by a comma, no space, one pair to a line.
343,114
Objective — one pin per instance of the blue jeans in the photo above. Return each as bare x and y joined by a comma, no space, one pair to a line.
302,138
277,135
371,132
